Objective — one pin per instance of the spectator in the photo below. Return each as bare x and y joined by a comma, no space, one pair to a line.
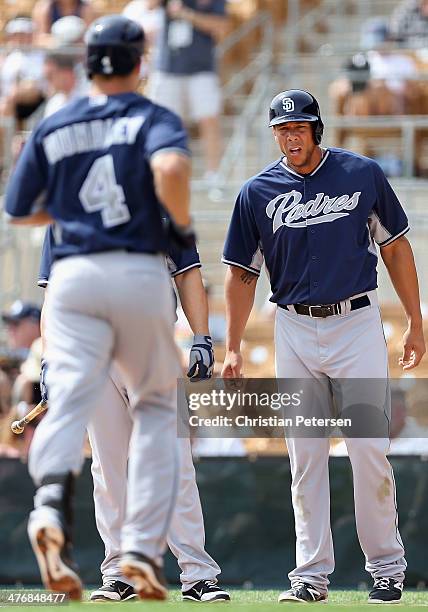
62,76
21,72
150,16
47,12
9,445
409,23
26,394
389,68
347,92
26,391
22,322
185,79
5,393
68,31
379,80
10,364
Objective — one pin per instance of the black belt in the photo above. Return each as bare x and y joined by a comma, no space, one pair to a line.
328,310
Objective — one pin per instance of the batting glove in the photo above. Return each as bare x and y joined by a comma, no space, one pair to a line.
43,386
201,360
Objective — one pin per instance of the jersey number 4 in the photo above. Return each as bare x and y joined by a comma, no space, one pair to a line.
101,193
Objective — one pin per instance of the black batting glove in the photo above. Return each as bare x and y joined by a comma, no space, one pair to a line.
43,386
201,360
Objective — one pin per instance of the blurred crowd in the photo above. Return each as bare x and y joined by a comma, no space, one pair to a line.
20,360
387,77
42,65
41,68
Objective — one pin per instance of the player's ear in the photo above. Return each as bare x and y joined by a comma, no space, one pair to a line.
274,133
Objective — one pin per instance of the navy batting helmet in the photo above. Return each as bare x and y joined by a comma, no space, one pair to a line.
115,45
296,105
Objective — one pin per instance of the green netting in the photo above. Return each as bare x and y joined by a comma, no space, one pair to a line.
249,521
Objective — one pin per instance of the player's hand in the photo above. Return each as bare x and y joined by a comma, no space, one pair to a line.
43,386
201,360
232,366
413,348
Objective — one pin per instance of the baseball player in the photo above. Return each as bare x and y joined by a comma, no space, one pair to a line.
315,217
102,168
109,437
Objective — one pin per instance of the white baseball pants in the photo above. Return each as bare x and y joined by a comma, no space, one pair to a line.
351,346
109,433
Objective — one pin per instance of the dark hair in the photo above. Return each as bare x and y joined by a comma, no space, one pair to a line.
61,60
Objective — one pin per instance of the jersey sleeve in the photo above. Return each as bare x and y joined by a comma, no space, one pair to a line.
180,261
242,246
26,190
387,221
46,259
166,133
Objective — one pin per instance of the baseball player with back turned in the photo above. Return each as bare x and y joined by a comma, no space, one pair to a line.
109,434
315,216
103,168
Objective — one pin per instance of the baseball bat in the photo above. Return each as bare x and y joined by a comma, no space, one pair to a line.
18,426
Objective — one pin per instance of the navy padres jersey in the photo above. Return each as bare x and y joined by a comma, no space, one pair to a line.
316,233
88,165
178,261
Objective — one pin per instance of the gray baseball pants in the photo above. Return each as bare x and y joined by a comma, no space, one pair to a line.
101,310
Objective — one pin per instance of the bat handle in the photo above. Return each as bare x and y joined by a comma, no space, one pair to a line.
18,426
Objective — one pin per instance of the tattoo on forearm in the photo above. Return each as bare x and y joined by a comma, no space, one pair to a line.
248,278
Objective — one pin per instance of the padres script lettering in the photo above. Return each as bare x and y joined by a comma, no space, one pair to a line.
287,209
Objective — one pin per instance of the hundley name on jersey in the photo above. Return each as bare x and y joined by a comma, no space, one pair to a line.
322,209
92,135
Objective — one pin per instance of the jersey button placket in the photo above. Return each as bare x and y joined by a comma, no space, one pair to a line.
311,241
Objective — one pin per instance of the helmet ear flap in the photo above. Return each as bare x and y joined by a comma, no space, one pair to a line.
318,131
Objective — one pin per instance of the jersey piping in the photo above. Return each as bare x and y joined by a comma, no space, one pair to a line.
182,270
239,265
393,238
322,162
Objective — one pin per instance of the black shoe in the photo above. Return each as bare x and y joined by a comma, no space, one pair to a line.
147,577
206,590
304,593
114,590
385,591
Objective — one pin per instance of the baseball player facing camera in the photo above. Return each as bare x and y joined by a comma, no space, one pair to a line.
318,218
102,168
109,432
